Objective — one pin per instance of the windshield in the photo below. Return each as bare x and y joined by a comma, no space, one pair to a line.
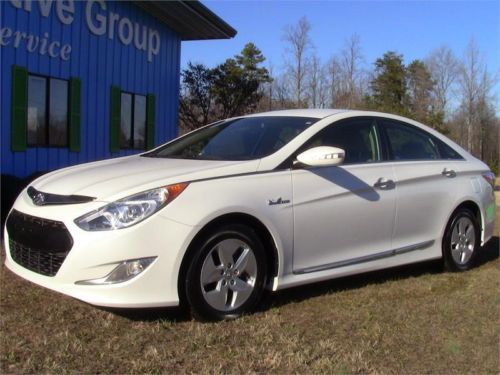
239,139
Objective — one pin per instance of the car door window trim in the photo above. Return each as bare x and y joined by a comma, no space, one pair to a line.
288,163
436,142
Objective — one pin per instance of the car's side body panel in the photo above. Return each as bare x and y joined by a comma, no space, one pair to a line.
339,214
270,202
424,197
472,187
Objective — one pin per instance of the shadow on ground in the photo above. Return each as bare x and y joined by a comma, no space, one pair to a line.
488,253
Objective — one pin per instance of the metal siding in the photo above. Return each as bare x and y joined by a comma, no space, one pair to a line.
100,63
7,60
21,59
74,38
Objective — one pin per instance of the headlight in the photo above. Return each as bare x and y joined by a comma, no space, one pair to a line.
131,210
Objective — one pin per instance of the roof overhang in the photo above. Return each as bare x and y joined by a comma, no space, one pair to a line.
190,19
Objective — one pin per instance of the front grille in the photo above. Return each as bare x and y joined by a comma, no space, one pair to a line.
44,263
40,245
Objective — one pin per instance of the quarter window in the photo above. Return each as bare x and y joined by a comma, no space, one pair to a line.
358,138
410,143
47,117
132,121
446,151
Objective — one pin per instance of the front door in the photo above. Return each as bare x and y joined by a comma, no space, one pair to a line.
343,214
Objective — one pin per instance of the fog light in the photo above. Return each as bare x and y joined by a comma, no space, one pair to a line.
123,272
134,268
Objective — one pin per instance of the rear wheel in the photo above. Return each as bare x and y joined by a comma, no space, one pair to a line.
227,275
461,241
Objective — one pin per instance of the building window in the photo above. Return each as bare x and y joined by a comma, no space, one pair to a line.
47,117
132,121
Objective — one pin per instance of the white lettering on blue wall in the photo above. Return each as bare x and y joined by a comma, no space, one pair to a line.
96,24
98,21
35,43
65,9
125,33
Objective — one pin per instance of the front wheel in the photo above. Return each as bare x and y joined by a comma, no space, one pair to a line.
227,275
461,241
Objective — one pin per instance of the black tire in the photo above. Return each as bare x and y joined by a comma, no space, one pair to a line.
206,257
460,254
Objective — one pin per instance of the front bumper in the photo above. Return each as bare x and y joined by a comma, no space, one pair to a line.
95,254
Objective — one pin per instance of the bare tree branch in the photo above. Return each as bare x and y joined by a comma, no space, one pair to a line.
298,45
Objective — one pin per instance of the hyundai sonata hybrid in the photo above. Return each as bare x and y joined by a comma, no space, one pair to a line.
267,201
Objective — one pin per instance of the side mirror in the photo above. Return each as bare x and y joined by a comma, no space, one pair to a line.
322,156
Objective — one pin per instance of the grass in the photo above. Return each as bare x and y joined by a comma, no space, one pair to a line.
413,320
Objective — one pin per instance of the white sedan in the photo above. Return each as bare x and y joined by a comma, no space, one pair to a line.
272,200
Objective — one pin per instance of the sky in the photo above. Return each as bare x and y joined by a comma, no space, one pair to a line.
411,28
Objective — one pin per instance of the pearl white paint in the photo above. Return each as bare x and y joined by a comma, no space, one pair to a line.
324,215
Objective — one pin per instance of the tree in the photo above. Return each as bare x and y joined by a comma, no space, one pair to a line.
475,84
231,88
317,83
420,87
299,44
196,101
314,81
323,87
270,86
237,82
351,59
389,85
282,96
443,67
334,82
249,60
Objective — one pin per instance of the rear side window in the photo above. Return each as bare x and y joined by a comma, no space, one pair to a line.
446,151
357,137
409,143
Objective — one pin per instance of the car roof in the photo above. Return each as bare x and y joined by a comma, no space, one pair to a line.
309,112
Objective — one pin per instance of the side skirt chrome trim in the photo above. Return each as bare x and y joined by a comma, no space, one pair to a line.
366,258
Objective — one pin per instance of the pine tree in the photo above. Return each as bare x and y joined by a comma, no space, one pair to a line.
389,85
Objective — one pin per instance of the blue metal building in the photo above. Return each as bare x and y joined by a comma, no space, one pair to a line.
84,81
89,80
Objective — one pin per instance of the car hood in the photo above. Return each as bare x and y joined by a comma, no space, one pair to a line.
122,176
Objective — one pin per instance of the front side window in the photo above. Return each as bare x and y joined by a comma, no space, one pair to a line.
132,121
240,139
409,143
357,137
47,117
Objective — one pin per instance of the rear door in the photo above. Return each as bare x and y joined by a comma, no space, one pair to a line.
425,183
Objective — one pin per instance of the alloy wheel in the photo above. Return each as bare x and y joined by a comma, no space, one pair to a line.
228,274
463,240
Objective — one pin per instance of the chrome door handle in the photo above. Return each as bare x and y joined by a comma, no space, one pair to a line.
384,184
449,173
